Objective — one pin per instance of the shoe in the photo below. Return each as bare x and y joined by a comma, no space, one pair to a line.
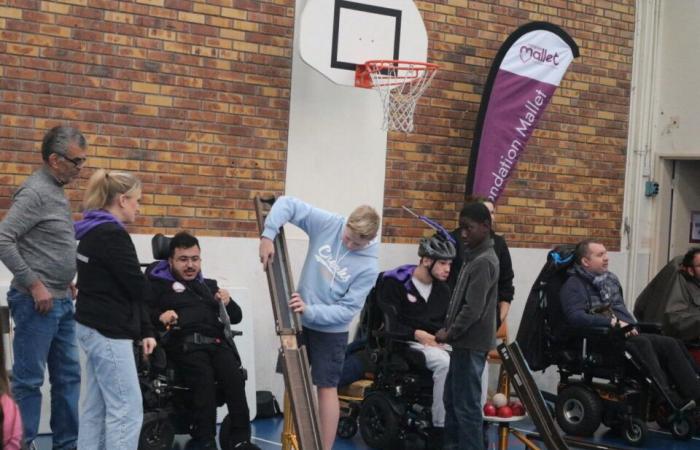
437,437
676,401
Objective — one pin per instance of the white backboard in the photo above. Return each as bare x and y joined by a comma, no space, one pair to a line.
336,35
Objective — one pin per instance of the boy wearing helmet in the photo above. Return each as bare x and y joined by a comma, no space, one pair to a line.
418,297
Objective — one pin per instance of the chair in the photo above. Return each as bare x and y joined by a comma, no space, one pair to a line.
396,409
493,357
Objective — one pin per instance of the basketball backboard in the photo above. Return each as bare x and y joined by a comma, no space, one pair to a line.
336,35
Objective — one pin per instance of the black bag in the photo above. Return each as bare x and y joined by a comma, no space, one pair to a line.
267,405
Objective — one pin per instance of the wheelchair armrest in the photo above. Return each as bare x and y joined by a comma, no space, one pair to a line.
649,327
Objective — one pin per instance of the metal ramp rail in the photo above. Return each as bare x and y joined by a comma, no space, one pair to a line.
529,393
301,429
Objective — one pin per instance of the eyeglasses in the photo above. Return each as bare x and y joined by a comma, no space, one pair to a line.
77,162
184,259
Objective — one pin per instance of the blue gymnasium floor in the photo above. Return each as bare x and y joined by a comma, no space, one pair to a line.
267,432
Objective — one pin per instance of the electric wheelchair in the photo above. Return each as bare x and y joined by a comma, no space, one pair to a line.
599,380
395,411
166,399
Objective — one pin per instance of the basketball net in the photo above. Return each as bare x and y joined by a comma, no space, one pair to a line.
400,84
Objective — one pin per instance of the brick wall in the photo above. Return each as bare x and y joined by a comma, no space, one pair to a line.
569,183
192,95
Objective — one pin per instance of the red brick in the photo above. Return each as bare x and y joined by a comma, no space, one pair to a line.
59,66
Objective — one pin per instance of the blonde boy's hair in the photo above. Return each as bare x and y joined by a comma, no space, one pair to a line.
364,221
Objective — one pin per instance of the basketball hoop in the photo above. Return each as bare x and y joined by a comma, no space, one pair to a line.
400,84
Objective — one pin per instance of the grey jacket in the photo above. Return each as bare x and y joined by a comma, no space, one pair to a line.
682,318
471,317
37,240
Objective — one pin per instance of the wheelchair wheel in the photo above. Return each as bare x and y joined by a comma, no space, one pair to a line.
347,427
683,428
156,434
635,431
379,423
578,410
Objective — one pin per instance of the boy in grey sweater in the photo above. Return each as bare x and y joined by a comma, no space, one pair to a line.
37,244
470,327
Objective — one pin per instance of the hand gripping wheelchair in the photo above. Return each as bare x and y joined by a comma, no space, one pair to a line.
166,399
396,409
599,380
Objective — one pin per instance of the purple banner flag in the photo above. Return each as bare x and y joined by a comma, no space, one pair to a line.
525,73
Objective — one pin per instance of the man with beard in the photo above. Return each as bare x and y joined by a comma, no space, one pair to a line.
189,307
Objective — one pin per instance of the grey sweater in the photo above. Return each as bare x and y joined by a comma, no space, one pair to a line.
37,240
471,317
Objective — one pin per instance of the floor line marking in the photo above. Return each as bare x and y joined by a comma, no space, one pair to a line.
266,441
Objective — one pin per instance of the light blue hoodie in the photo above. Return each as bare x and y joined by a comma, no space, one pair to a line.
335,281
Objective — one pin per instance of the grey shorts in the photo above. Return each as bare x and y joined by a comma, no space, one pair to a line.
326,355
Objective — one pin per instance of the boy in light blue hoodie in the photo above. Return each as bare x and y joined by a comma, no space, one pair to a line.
339,271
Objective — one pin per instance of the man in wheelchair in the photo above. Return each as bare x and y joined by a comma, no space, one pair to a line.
592,297
415,299
672,299
196,316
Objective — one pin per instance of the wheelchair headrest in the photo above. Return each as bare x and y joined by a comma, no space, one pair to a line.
160,245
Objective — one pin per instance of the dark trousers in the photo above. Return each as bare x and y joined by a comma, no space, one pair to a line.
462,398
666,359
200,366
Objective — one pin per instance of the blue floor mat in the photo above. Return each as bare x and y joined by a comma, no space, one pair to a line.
267,435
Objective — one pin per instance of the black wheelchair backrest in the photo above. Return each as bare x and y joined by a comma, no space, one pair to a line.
371,318
543,316
160,245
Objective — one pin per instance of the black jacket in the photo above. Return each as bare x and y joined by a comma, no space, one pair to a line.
111,286
412,312
578,294
196,307
506,291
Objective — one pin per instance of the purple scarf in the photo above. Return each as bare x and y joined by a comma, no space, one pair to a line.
93,218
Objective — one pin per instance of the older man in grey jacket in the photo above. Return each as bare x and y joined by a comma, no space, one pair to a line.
37,244
470,328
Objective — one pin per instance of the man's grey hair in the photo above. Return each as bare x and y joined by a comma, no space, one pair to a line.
59,138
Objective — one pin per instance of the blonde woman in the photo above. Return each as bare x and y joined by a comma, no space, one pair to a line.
110,313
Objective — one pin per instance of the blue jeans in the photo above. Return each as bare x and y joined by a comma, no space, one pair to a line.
41,340
112,408
463,418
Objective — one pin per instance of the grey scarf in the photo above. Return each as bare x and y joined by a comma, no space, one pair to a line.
608,288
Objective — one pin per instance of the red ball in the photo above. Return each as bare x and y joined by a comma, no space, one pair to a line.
504,412
489,409
518,409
